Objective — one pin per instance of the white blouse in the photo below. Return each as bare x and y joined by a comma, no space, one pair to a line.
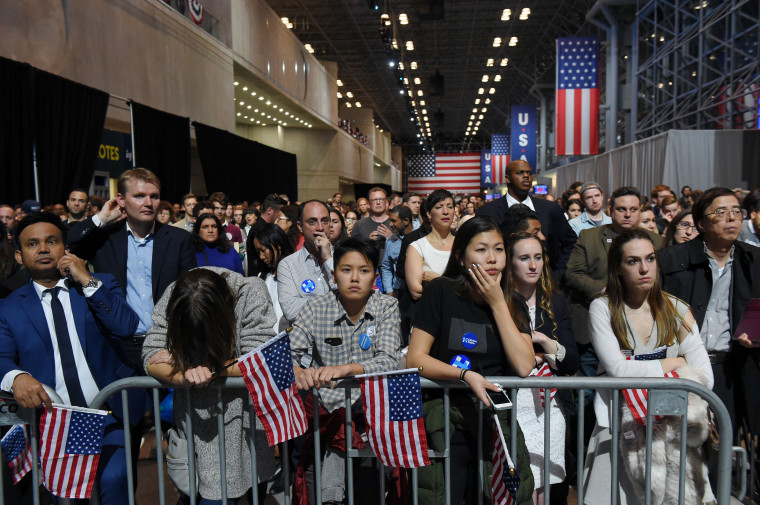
613,363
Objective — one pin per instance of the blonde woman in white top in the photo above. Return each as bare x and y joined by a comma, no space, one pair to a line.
427,257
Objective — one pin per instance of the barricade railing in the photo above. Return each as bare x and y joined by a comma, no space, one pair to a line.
666,396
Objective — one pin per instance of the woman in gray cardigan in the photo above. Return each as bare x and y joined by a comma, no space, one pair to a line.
205,320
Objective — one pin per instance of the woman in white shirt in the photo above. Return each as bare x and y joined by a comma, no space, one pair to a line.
634,318
427,257
271,244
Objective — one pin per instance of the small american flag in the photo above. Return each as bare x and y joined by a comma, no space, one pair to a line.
499,157
505,481
71,441
17,452
546,371
393,411
268,374
577,121
456,172
637,398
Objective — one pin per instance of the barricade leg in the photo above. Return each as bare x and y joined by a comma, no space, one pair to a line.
254,462
222,446
580,446
159,448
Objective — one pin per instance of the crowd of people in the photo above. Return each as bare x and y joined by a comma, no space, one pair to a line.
616,284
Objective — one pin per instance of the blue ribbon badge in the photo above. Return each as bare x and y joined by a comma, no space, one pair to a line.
308,286
469,340
461,361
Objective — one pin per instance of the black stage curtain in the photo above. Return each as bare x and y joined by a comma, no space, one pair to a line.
362,190
244,169
69,123
16,119
162,145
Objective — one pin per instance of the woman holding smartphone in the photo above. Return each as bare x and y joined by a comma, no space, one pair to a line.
463,331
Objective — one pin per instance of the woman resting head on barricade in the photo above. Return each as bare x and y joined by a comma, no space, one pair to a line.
543,313
203,322
463,330
638,330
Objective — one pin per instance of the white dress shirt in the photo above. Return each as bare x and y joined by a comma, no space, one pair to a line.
86,381
512,201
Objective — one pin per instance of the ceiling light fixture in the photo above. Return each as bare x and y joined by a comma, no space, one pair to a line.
497,78
485,78
524,14
481,91
413,65
403,19
349,94
489,63
512,41
492,91
401,65
506,14
497,42
340,83
504,62
409,45
309,48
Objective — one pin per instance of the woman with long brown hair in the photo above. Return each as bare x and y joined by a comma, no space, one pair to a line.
545,315
637,330
204,321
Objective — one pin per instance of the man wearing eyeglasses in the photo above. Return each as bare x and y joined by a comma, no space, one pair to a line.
307,272
718,275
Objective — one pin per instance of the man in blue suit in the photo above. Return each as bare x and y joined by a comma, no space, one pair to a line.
61,330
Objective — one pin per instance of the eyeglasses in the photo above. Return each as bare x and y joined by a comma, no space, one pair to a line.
684,225
283,218
722,212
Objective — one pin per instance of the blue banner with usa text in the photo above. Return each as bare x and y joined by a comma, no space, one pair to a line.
486,173
523,138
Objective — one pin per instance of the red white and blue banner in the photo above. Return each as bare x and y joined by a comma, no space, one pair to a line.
494,161
456,172
523,132
196,11
577,96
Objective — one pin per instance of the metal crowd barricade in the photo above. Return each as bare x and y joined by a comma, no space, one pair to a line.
665,397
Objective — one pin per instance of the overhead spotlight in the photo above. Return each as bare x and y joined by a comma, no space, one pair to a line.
489,63
417,80
506,14
358,104
477,101
524,14
497,42
512,41
253,93
235,83
504,62
485,78
413,65
401,65
488,100
241,103
401,92
481,91
392,64
309,48
349,94
348,104
409,45
340,83
403,19
245,88
422,103
492,91
497,78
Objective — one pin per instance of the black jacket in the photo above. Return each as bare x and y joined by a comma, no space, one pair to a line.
685,273
106,249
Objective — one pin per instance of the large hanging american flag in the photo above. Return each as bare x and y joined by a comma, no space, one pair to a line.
17,452
456,172
71,441
499,157
268,374
393,411
577,124
505,481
